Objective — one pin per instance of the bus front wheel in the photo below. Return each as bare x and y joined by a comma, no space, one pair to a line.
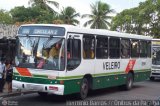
83,89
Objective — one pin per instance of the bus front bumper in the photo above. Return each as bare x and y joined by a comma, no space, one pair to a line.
52,89
155,73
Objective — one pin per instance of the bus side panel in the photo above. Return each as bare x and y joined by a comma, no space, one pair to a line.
142,69
141,76
72,86
109,72
109,81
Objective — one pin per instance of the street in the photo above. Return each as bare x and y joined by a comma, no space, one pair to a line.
147,90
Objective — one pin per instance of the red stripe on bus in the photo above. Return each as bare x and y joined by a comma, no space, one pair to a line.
130,65
23,71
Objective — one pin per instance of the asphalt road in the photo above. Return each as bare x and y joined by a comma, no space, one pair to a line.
140,94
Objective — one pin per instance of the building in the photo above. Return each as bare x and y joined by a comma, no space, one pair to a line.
7,41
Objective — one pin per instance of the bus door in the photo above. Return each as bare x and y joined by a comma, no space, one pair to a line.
73,54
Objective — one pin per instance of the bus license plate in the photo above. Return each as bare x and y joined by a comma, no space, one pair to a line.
34,87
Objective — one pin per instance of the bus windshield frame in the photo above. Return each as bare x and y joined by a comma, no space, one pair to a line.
39,52
156,55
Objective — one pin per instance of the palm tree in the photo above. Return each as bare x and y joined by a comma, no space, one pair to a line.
44,4
99,18
69,15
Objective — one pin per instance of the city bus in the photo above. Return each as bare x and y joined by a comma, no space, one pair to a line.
155,72
87,59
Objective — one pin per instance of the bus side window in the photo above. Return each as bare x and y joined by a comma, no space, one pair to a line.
149,49
114,47
143,48
125,48
135,48
73,53
88,47
102,47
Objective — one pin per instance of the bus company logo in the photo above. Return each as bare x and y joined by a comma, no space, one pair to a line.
130,65
4,102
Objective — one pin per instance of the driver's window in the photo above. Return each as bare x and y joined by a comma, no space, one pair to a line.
73,53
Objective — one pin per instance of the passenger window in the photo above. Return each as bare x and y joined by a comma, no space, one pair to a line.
125,48
149,49
135,48
73,53
102,47
114,47
143,48
88,47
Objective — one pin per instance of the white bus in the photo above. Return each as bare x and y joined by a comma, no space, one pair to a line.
87,59
155,73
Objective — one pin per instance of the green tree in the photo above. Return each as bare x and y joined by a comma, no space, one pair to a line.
5,17
99,17
127,21
31,14
44,4
144,19
68,15
147,11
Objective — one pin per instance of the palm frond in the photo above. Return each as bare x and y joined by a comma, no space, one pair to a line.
75,21
110,11
68,15
94,25
75,15
107,23
107,17
56,4
99,15
87,15
88,23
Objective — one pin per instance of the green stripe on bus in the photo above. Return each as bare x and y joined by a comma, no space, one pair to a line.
81,76
107,74
144,70
33,75
35,80
40,76
15,73
73,85
70,77
101,74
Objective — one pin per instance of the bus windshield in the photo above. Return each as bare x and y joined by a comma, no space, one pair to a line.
40,52
156,56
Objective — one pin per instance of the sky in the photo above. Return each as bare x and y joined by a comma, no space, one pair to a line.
81,6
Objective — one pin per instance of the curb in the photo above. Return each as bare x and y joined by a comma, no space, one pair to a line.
16,93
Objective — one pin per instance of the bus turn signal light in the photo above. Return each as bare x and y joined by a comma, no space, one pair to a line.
61,82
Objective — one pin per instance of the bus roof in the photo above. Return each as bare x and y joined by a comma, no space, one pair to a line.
83,30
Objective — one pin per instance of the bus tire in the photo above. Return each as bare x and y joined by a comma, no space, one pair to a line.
84,88
129,81
43,94
152,78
